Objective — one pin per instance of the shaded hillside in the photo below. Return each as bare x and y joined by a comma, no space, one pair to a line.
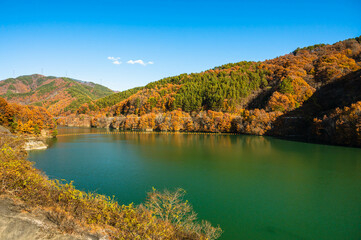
332,114
58,95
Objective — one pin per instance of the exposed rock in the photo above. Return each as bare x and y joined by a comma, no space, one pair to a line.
75,121
18,224
35,144
102,122
4,130
45,133
117,122
88,121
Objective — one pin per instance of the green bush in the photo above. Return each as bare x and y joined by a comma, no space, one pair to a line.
286,86
12,87
46,88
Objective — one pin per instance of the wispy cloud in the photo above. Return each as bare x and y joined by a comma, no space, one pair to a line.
141,62
115,60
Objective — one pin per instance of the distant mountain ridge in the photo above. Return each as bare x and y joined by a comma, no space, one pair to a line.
310,93
57,94
243,85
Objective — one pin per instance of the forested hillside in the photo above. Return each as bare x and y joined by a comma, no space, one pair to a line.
58,95
284,96
312,93
25,119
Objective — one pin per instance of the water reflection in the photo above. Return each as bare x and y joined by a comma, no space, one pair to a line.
254,187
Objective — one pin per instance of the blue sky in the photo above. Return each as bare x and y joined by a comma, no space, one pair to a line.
103,41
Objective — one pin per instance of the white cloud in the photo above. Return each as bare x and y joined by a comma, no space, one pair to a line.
136,61
115,60
141,62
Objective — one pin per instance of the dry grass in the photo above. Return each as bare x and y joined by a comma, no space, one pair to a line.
72,209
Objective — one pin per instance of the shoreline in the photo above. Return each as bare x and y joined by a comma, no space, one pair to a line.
111,130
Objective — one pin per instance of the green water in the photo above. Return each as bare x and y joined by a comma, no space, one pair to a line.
253,187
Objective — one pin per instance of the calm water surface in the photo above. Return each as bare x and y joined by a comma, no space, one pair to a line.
253,187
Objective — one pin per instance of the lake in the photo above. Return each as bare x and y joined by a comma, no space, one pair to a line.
253,187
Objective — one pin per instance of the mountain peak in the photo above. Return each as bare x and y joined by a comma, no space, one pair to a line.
57,94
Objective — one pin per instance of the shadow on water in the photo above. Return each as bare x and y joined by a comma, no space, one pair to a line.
279,233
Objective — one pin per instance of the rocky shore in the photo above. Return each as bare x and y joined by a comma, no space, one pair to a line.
18,223
83,120
291,126
35,144
31,142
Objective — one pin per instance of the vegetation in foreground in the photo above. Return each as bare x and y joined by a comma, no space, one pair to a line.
163,215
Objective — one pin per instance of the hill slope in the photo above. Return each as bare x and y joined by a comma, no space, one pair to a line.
25,119
58,95
244,85
289,96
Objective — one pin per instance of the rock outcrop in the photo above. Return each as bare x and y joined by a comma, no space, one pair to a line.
35,144
31,142
16,223
75,121
4,130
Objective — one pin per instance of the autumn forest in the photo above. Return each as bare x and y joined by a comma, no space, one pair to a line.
310,94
